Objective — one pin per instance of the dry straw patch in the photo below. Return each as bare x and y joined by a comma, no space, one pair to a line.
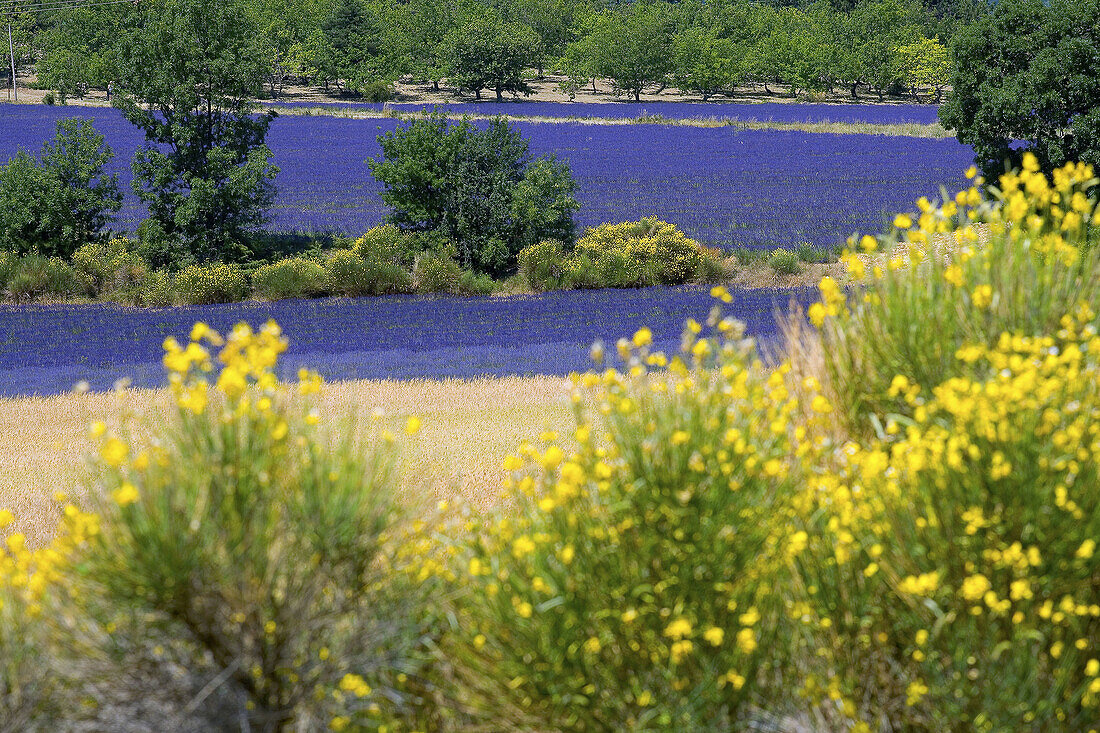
468,427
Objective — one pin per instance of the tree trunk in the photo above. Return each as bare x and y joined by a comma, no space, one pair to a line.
637,95
500,96
435,85
854,85
477,94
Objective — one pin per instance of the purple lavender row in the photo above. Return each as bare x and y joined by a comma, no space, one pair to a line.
47,349
878,114
725,187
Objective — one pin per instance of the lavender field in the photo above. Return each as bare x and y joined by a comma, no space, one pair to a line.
724,186
47,349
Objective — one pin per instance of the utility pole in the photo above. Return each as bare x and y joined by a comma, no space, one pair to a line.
11,51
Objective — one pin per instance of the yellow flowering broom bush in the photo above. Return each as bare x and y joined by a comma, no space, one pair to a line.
632,585
259,535
31,589
978,264
950,581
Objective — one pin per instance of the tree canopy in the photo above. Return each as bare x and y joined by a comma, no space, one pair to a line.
1027,73
188,75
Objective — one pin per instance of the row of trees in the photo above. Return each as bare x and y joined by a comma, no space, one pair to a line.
707,48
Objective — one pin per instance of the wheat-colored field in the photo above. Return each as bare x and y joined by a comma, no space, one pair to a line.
468,427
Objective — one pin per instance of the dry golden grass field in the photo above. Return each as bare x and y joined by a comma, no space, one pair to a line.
468,427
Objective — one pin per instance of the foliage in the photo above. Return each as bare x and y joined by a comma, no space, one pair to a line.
31,584
64,200
295,277
543,265
486,52
111,269
356,45
958,587
628,587
205,284
258,535
633,254
436,273
1025,73
477,188
158,290
974,267
633,47
205,173
924,63
705,63
784,262
43,277
351,274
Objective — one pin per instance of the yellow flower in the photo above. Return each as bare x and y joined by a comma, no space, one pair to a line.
125,495
714,635
645,699
114,452
974,587
412,425
746,640
914,692
6,518
678,629
552,458
1086,549
592,645
643,337
902,221
355,684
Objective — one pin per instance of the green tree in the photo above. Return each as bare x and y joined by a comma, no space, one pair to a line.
634,47
876,28
486,52
552,22
1028,72
53,206
80,48
705,63
191,71
924,64
358,38
478,188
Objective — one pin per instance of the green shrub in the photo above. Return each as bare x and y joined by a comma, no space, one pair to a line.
541,265
9,263
957,590
437,274
972,268
474,283
352,275
44,277
48,99
158,290
206,284
812,254
377,91
291,278
784,262
631,587
52,205
111,269
255,534
642,253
